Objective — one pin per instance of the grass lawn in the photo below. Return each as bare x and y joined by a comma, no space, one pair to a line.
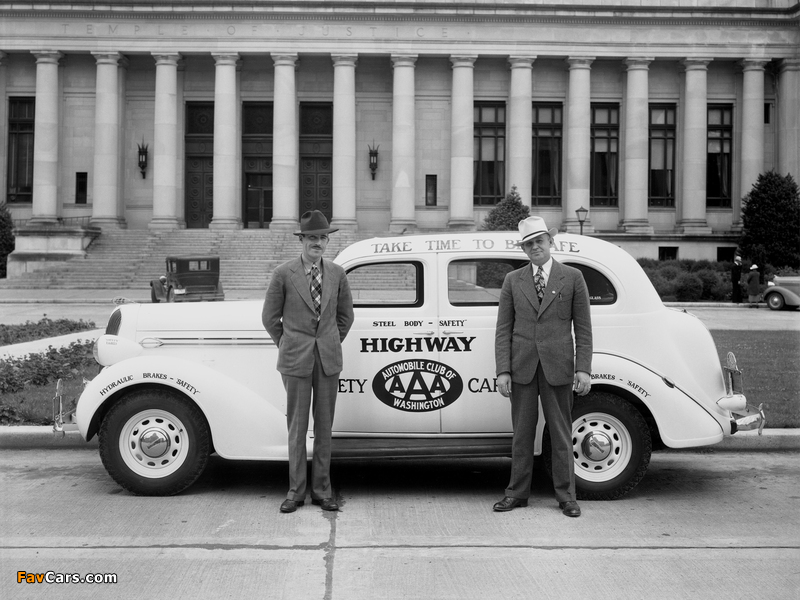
770,364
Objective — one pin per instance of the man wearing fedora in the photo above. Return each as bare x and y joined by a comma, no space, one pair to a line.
537,357
307,313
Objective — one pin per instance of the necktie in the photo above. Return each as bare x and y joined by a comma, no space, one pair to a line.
538,281
316,288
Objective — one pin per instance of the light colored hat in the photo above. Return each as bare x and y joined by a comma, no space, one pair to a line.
313,222
533,226
753,267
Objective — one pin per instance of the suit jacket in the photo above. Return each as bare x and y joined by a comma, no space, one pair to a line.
291,321
528,334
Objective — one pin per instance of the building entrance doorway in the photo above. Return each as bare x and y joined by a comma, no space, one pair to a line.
199,191
258,200
316,187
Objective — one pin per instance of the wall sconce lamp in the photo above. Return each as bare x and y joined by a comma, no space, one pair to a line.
581,212
143,158
373,158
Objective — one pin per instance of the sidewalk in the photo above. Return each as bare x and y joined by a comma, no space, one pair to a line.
101,296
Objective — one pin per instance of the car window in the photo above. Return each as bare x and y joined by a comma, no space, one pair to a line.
199,265
387,284
477,282
601,290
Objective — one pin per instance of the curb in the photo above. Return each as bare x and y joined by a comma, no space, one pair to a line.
36,437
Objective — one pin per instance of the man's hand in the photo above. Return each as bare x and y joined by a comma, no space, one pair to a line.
581,384
504,384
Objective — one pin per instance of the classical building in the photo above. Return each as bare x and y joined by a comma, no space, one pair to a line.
656,116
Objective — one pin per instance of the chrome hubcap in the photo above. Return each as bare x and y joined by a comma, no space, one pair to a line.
596,446
154,442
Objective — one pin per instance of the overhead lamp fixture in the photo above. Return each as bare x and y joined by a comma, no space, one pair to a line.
143,158
373,158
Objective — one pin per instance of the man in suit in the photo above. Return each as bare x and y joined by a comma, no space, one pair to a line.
537,357
307,313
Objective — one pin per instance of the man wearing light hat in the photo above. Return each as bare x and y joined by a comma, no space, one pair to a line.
536,357
307,313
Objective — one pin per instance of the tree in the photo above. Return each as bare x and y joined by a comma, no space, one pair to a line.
507,214
771,221
6,238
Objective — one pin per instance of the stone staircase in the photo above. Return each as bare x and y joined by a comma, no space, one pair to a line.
129,259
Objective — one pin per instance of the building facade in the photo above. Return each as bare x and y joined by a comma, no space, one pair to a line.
657,117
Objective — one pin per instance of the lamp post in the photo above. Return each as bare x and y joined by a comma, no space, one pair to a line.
373,158
143,158
581,212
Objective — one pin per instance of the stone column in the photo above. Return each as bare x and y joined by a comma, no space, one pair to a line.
752,162
45,139
789,118
3,124
637,122
286,146
122,87
344,141
163,155
105,191
520,114
579,119
462,125
226,142
695,141
403,143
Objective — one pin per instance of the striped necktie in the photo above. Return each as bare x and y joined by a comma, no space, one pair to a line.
316,289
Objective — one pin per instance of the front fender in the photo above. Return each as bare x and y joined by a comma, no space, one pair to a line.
789,296
244,424
682,421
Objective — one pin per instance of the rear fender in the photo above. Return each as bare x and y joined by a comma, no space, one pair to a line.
244,424
681,421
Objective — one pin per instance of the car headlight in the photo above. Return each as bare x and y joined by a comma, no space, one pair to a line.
110,349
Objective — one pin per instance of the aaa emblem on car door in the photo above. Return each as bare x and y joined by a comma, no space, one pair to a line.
417,385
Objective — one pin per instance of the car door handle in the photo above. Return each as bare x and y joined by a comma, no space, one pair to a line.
451,332
424,332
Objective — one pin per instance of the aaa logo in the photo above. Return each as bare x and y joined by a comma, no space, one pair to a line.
417,385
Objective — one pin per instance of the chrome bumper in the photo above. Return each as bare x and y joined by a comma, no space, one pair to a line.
734,401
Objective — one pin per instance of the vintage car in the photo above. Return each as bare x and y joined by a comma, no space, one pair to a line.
181,382
783,293
188,279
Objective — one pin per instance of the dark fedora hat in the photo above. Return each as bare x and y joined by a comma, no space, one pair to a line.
314,222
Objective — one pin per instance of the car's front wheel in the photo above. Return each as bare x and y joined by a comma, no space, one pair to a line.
611,445
154,442
775,301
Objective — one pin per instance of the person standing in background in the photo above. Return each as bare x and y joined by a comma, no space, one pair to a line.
753,286
736,280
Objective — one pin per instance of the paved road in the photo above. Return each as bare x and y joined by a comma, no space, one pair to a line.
711,525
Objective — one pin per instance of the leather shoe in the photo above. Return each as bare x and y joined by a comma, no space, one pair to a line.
289,506
325,503
509,503
571,508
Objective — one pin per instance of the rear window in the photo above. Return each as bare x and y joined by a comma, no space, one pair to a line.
199,265
478,282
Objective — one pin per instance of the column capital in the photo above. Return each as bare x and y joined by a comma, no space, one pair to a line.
284,60
696,64
404,60
48,56
521,62
638,63
753,64
463,60
344,60
580,62
166,58
107,58
222,59
790,64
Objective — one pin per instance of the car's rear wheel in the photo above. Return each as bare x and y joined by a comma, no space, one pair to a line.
775,301
611,445
171,295
154,442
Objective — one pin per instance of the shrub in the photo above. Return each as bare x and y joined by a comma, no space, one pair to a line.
507,214
46,367
714,285
669,272
771,221
6,238
45,328
688,288
664,287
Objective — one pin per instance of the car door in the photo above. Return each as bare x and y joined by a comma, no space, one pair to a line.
468,299
389,381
